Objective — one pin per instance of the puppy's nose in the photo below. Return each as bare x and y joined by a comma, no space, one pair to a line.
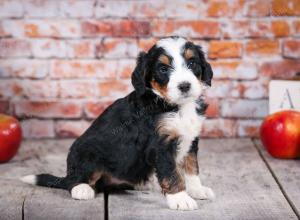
184,87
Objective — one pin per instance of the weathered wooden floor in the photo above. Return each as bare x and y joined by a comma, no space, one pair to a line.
248,183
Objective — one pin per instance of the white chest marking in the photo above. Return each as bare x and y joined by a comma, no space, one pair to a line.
187,124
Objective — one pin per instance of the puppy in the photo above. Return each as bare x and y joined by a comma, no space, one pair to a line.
153,130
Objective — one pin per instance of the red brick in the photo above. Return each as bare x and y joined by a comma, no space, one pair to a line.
41,8
11,8
258,8
4,106
149,9
48,48
236,29
144,44
123,9
10,88
59,28
77,89
14,48
280,28
220,89
260,28
12,28
224,8
162,28
260,48
136,9
218,9
3,32
129,28
291,48
114,88
186,28
251,89
234,70
296,26
178,9
117,48
81,48
70,129
33,89
285,7
238,89
284,69
93,109
243,108
73,68
218,128
82,69
93,28
34,128
23,68
248,128
115,28
48,109
103,68
224,49
213,108
125,68
77,9
38,88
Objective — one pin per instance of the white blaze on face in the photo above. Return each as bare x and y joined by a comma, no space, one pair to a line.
181,73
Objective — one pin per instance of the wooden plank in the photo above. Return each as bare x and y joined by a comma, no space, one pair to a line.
35,157
40,202
244,187
12,196
287,173
13,192
49,204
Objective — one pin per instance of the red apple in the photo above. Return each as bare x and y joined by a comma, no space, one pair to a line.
280,134
10,137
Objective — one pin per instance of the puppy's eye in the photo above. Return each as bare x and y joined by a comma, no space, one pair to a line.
191,64
163,69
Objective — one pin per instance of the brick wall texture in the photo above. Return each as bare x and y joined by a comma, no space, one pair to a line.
63,61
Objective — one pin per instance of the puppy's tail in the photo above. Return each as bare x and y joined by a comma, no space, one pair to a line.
46,180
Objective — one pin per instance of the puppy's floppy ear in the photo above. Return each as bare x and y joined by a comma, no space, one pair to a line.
138,75
207,73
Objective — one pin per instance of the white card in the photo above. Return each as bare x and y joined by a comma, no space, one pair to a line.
283,95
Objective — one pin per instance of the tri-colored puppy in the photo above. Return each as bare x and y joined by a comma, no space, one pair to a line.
153,130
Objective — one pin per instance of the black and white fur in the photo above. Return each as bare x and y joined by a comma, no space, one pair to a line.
153,130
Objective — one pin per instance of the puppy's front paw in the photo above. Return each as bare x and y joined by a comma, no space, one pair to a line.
181,201
82,191
201,192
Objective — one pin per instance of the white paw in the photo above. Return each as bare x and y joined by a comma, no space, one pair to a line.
202,192
181,201
195,189
82,191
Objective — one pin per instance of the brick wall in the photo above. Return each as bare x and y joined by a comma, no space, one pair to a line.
62,62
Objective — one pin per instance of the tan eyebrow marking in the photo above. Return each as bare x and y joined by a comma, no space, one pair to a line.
188,54
164,59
